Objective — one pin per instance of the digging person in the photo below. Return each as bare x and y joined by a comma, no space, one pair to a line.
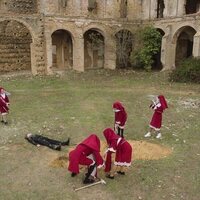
122,152
86,153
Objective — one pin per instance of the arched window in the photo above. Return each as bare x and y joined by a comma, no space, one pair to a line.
124,43
192,7
62,50
184,45
93,49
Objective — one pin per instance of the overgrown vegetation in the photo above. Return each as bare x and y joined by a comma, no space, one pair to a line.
149,43
124,41
188,71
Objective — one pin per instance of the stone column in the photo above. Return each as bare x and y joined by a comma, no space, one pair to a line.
196,45
78,53
37,57
171,56
153,9
180,10
110,52
48,49
168,51
33,58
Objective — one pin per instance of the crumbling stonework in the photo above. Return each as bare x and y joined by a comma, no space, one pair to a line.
22,6
15,41
45,36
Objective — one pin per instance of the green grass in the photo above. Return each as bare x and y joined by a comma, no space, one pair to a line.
77,104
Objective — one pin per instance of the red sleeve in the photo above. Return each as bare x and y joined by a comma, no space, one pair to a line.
98,158
113,145
159,109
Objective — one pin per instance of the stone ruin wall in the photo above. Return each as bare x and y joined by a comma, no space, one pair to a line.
26,28
21,6
18,45
15,42
22,27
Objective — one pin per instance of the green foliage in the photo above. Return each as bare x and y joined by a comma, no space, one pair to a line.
149,45
188,71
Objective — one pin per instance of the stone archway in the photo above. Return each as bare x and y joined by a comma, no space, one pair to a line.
93,49
15,46
124,46
62,50
157,64
184,44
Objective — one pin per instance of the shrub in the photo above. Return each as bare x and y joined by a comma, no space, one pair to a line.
188,71
149,40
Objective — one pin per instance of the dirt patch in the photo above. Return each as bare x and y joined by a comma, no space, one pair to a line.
142,150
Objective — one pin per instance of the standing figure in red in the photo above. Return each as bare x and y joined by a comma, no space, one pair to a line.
120,118
4,103
120,150
159,105
86,153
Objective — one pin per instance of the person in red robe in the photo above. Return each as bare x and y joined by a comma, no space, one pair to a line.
86,153
4,103
120,118
156,122
118,150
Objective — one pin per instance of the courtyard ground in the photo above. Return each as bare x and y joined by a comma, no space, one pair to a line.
77,104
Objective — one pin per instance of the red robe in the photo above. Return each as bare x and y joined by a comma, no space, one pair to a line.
156,121
4,101
121,115
119,145
86,153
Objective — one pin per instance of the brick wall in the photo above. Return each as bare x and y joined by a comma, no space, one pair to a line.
22,6
15,42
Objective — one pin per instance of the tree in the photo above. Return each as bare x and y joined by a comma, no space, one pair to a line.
149,40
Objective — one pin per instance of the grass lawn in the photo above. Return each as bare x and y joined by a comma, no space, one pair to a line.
78,104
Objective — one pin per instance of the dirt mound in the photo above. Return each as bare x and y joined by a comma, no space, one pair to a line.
142,150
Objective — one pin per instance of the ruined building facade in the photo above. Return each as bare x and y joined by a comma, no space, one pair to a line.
45,36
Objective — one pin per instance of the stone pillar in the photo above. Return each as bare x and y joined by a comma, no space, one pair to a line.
110,53
146,9
168,51
37,57
180,10
78,53
196,45
153,10
33,59
48,49
168,56
171,56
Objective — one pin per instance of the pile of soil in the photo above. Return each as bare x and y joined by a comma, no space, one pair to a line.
142,150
